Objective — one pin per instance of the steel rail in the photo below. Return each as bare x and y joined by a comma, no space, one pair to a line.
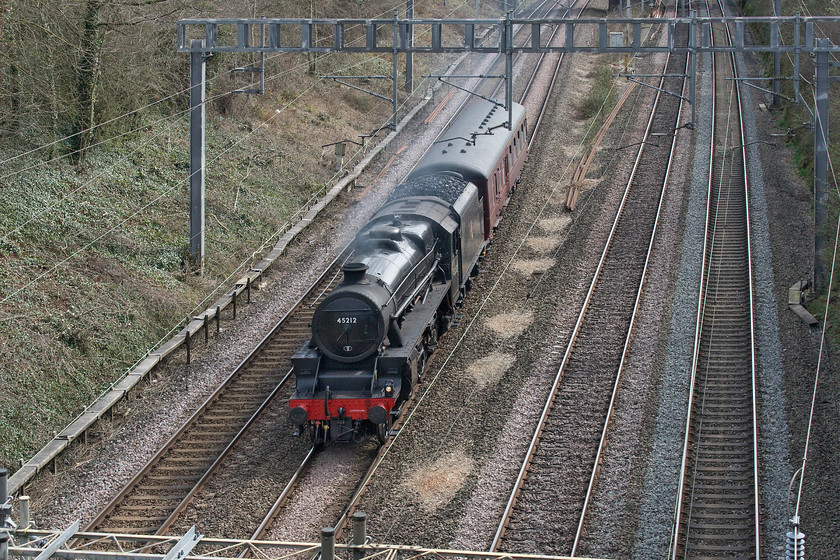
700,325
341,523
294,480
330,273
214,467
626,349
197,415
260,531
365,480
296,477
126,491
518,485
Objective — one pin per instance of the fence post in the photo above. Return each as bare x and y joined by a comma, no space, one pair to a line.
327,543
359,533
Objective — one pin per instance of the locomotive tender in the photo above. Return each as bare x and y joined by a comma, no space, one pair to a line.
409,268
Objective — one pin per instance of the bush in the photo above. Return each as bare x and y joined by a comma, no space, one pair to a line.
602,94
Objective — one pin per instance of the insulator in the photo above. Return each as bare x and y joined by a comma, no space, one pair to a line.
795,545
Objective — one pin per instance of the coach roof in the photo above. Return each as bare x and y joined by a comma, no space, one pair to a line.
473,144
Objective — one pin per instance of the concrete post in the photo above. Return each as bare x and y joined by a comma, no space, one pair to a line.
359,533
4,514
692,67
821,82
197,114
396,67
23,512
796,49
327,543
5,510
4,487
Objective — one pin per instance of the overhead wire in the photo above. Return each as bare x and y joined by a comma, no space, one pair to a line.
168,191
224,151
126,156
144,207
238,268
122,116
134,111
246,262
489,295
826,311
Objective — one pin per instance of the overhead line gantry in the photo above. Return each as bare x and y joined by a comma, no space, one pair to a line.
202,37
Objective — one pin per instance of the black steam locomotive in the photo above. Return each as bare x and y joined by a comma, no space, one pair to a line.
408,270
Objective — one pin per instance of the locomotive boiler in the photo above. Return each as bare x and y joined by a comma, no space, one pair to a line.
407,271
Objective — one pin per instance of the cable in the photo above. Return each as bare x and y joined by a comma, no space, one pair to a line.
224,151
91,129
134,111
215,158
485,301
822,344
70,194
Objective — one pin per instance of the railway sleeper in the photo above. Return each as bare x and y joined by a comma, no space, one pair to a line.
725,387
211,425
142,507
241,403
224,418
171,477
725,466
186,454
150,488
724,537
725,478
727,548
183,468
725,410
714,527
728,494
207,440
260,373
136,530
133,518
156,497
263,381
739,434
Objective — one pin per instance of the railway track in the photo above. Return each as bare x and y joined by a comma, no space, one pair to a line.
154,499
160,491
354,496
717,512
546,513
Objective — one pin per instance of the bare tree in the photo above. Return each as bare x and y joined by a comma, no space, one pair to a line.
87,77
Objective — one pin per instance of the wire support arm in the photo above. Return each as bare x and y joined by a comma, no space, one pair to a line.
471,92
361,89
665,91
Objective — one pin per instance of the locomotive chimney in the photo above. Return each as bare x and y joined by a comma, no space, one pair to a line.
354,272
